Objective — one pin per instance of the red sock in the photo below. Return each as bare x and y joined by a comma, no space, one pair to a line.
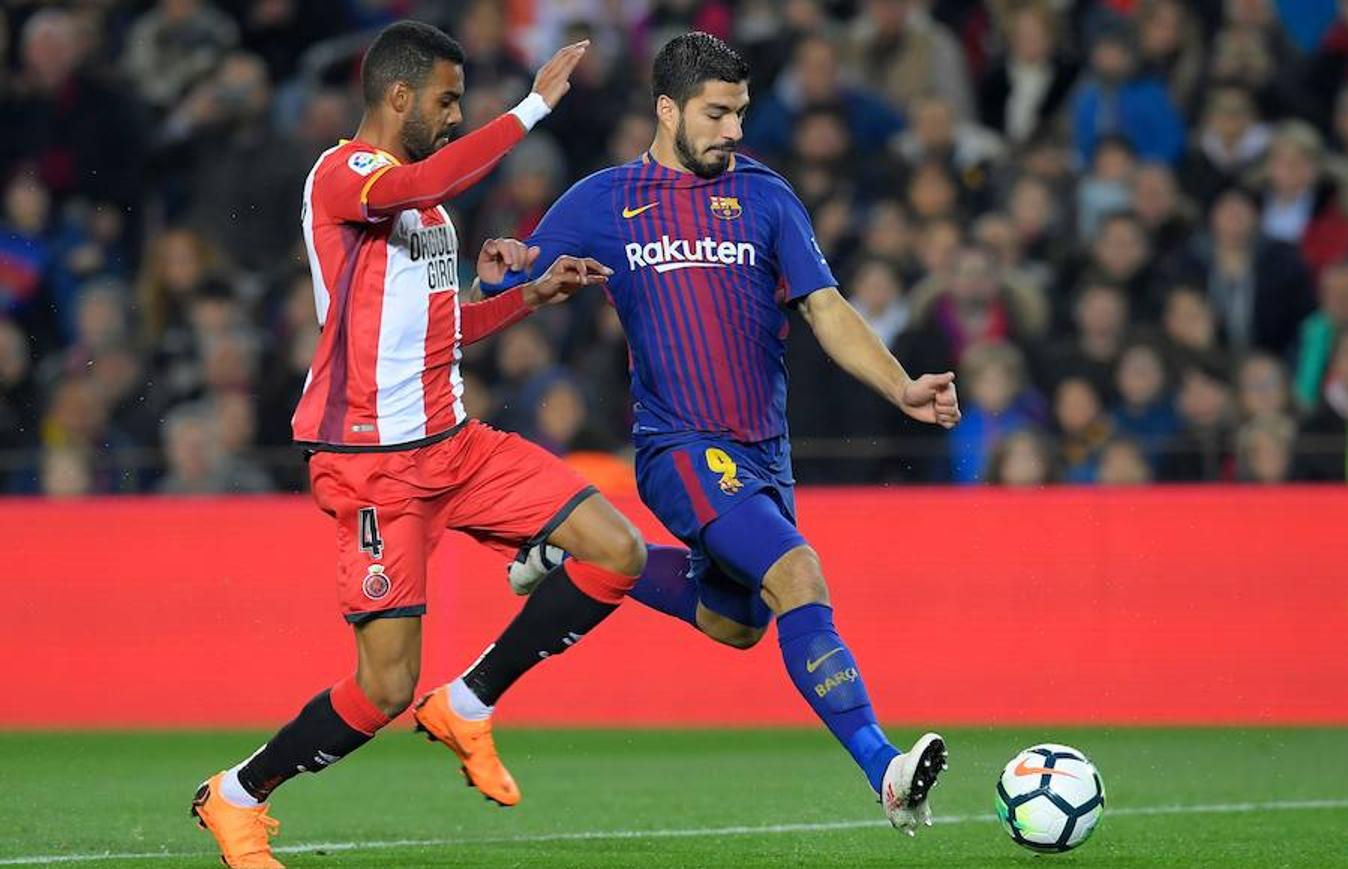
605,586
353,707
330,726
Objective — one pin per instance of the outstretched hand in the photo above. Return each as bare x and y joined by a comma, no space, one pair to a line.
500,255
931,398
563,278
554,77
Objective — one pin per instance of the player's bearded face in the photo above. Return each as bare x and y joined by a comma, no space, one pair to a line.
434,112
710,127
421,136
706,158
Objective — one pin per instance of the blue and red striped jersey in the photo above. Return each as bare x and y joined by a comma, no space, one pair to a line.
703,270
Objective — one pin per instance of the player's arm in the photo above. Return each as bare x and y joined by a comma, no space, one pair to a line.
565,230
851,342
452,169
841,331
567,274
499,257
505,265
477,319
461,164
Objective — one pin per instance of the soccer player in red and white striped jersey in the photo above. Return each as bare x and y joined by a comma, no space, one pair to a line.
394,459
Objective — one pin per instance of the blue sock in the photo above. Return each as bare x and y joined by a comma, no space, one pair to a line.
826,675
664,584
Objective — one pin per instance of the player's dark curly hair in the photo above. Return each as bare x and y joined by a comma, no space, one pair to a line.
406,52
689,60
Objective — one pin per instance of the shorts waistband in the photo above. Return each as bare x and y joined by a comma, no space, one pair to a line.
319,447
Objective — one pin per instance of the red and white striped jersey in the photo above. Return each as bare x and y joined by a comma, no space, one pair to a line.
386,371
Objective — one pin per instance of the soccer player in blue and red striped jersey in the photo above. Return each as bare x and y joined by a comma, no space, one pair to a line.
708,249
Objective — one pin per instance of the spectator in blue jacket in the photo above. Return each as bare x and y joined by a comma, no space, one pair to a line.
999,404
1113,101
1145,411
815,78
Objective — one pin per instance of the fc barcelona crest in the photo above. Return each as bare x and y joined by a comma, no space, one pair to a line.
726,207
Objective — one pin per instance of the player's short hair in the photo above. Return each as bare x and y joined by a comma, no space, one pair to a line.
689,60
406,52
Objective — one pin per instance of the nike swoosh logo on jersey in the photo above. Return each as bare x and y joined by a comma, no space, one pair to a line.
630,213
1022,769
811,666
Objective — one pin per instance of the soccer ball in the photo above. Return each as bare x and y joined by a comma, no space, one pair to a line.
1050,798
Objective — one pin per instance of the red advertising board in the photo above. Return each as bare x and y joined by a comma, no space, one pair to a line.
963,606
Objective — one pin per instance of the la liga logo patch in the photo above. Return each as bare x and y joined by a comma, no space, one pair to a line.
376,584
365,162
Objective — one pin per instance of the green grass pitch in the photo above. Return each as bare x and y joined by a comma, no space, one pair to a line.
1177,797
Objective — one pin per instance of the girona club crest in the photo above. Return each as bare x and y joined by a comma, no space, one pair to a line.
726,207
376,584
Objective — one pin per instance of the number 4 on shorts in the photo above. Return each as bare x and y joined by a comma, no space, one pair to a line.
370,541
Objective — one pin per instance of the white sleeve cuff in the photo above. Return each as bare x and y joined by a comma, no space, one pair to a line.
531,110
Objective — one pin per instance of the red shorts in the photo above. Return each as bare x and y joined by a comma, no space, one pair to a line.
392,509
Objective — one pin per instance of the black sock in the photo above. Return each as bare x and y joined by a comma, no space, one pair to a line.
313,740
554,618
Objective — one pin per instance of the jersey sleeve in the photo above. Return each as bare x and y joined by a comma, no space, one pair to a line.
368,185
565,229
803,266
480,320
342,186
446,173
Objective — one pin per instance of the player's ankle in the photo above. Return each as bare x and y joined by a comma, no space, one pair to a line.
233,792
466,704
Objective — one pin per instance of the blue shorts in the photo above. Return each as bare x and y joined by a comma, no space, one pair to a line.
691,480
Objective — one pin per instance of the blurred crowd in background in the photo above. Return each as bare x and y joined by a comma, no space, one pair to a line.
1123,223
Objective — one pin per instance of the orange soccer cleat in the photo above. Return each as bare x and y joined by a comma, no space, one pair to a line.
471,741
241,833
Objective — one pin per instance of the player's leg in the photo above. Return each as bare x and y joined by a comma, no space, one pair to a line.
337,721
342,718
686,483
686,584
382,586
666,584
607,554
757,541
729,611
677,582
519,494
726,630
571,600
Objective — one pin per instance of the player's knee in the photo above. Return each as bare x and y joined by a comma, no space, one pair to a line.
598,534
739,637
622,550
390,688
633,553
393,697
726,631
795,580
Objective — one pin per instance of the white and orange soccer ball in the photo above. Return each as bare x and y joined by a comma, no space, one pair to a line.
1050,798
